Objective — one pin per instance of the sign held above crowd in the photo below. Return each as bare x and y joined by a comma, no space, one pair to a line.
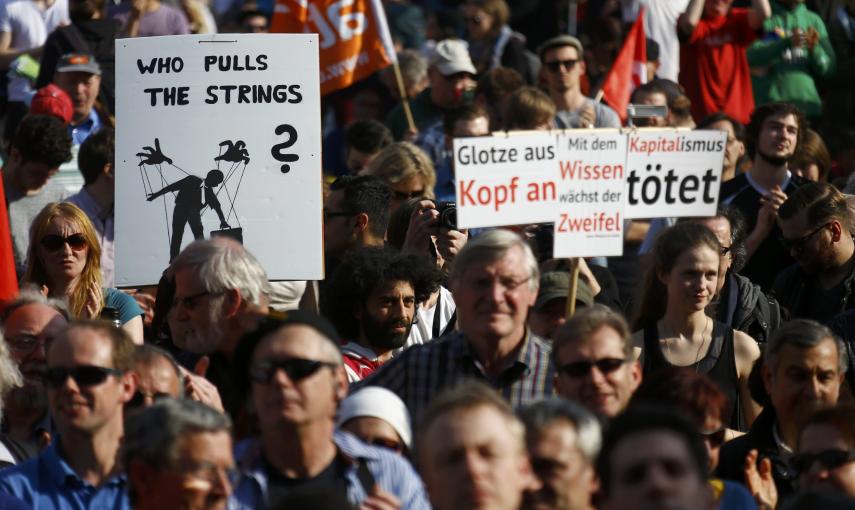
587,182
218,136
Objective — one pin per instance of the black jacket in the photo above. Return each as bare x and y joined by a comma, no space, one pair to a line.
731,464
745,307
844,326
790,289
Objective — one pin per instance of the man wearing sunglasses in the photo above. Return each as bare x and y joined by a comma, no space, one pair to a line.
292,367
803,370
89,381
815,227
563,68
826,455
594,361
40,145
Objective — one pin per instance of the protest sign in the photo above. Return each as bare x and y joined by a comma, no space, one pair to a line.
673,173
218,136
587,182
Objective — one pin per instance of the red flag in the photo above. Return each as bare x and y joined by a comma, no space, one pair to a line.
8,279
629,69
354,36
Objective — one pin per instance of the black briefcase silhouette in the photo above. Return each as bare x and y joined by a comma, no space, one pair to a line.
232,233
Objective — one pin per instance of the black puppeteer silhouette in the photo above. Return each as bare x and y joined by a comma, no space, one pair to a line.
193,194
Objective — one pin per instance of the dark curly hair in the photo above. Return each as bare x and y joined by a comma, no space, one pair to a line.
44,139
366,194
362,272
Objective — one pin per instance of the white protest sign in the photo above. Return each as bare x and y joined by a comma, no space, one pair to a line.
589,212
505,180
675,174
218,136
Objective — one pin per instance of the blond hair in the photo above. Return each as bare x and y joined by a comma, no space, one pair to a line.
401,161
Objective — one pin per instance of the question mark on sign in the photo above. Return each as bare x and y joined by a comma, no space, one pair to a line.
277,150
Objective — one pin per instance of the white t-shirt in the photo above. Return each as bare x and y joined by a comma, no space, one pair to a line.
422,332
660,24
29,27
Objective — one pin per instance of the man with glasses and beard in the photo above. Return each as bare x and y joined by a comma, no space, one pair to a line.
371,299
774,134
89,381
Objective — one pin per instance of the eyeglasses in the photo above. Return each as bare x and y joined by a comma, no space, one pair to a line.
715,437
83,375
556,65
389,444
331,214
53,242
400,195
579,369
24,343
190,302
295,368
797,245
830,459
139,398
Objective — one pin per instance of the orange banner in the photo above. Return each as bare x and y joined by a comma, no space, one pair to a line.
354,36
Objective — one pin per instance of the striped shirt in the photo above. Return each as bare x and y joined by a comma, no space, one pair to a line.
421,372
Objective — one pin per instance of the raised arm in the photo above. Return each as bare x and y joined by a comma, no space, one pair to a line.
760,12
687,21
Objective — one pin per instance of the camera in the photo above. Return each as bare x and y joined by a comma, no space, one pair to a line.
447,215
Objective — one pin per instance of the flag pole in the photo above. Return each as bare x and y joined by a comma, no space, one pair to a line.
572,289
402,91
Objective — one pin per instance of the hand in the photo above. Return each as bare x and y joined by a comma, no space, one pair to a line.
450,242
235,152
759,481
146,303
587,116
150,197
378,499
197,388
410,135
94,300
798,38
768,213
138,7
153,156
422,226
812,38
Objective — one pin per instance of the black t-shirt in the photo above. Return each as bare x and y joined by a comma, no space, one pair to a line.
819,304
770,258
329,483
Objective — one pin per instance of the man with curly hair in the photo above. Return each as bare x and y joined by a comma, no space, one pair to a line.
371,299
40,145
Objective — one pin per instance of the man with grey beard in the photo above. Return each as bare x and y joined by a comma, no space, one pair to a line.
220,294
30,323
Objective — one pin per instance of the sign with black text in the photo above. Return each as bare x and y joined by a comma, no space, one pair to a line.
218,136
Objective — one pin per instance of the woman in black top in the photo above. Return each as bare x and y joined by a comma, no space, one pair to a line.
672,328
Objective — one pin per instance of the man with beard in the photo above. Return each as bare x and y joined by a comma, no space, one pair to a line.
220,294
804,366
815,223
563,441
371,299
774,134
30,323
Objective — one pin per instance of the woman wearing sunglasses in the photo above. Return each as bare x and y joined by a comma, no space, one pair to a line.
64,261
673,329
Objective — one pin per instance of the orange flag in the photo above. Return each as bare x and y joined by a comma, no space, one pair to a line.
354,36
629,69
8,279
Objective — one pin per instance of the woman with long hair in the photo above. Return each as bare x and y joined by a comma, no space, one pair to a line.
64,262
672,328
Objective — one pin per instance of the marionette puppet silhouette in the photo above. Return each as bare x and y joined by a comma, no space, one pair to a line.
193,194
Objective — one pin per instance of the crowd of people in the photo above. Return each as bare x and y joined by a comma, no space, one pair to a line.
709,367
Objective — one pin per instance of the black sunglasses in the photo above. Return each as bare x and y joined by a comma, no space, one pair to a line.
798,245
54,242
295,368
830,459
138,400
556,65
83,375
715,437
583,368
